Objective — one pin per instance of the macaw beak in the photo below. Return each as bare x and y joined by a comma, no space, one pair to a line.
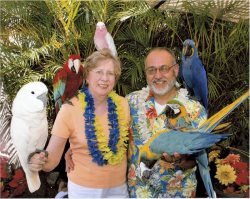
76,65
188,51
170,113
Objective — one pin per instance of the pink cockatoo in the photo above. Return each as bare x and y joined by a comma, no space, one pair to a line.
103,39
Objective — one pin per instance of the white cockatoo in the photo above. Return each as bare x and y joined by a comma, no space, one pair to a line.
29,126
103,39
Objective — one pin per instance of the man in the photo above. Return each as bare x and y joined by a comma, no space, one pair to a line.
152,109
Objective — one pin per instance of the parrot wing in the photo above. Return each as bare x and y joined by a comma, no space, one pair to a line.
59,85
24,146
222,127
200,86
214,120
187,76
111,44
183,143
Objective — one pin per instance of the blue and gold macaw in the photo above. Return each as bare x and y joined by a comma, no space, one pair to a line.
190,141
176,115
193,72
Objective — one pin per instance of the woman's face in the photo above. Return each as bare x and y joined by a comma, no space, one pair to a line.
101,80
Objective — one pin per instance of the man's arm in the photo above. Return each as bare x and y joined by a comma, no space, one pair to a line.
69,164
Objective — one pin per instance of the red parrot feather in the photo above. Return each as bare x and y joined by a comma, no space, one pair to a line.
67,81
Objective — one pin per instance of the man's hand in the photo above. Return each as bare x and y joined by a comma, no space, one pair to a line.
183,161
69,164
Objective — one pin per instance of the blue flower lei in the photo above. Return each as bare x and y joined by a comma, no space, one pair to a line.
114,134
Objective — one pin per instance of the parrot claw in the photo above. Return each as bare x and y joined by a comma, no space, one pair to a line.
67,101
37,151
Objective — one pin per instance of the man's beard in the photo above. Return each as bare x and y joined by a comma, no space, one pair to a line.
165,90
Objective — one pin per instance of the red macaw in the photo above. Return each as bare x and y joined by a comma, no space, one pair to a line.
67,80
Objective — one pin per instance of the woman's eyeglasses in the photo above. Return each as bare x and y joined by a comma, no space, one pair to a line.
101,73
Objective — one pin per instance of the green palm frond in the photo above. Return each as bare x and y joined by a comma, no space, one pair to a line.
38,36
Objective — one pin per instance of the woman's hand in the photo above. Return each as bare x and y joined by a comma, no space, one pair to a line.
37,161
69,164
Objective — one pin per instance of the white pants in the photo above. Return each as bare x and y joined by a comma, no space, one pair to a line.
78,191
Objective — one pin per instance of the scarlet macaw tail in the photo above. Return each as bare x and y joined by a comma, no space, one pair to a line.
214,120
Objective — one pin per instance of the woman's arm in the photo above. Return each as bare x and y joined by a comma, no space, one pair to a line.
55,150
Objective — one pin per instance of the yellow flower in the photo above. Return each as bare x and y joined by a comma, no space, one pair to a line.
225,174
82,100
218,161
244,188
143,192
213,154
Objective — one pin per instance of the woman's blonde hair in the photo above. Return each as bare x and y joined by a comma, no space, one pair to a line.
97,56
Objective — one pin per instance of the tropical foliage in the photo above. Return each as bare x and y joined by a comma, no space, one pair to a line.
38,36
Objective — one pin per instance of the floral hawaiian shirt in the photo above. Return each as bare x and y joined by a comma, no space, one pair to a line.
160,178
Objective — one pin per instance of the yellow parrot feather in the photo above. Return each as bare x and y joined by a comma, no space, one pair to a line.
210,123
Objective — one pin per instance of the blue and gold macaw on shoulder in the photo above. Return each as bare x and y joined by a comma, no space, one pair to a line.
176,115
190,141
193,72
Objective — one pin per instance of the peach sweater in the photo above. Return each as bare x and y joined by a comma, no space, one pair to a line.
70,124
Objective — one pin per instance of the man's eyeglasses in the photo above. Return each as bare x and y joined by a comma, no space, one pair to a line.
164,69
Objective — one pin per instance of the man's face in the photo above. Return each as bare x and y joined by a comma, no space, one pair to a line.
161,71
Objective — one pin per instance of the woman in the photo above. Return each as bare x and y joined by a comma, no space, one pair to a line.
96,124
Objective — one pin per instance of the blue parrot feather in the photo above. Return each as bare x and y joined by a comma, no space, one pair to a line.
193,72
184,142
202,162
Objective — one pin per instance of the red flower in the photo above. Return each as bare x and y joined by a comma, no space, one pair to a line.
151,113
3,170
19,174
20,189
18,178
151,94
13,182
231,159
242,173
5,194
